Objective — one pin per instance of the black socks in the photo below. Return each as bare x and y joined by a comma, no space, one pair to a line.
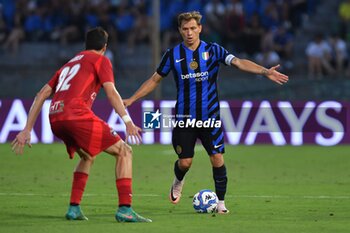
220,179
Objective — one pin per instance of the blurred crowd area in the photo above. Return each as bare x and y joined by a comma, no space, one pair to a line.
327,52
263,30
252,27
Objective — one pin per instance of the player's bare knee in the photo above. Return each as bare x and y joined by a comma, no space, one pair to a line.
92,160
85,156
125,151
89,160
217,160
128,150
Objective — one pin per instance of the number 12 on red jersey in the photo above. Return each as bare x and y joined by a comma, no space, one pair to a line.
66,76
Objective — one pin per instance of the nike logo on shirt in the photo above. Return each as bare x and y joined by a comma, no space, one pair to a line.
178,60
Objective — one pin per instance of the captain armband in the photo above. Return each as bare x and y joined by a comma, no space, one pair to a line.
229,59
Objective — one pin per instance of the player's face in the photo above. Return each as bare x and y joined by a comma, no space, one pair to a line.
190,31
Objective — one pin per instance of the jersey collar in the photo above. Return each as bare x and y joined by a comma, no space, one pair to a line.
199,45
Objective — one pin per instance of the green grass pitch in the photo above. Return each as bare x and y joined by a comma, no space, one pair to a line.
271,189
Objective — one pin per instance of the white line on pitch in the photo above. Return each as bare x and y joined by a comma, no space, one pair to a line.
289,197
65,195
157,195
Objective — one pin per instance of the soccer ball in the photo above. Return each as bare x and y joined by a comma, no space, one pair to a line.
205,201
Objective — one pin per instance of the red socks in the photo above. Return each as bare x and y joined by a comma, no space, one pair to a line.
78,186
124,191
79,183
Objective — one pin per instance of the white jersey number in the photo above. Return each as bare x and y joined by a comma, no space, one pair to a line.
66,76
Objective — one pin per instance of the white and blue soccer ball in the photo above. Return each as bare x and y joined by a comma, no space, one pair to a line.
205,201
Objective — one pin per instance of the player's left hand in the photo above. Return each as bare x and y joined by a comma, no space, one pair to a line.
127,102
276,76
133,133
20,141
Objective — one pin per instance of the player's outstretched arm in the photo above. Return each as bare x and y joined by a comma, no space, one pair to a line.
132,131
23,137
148,86
249,66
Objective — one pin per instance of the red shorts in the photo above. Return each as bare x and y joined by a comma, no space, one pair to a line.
92,135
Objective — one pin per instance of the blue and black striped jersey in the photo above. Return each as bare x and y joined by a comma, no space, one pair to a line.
195,74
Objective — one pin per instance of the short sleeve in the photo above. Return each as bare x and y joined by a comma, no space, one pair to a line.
104,70
53,81
223,55
164,65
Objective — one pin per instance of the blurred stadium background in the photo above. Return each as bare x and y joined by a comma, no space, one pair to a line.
37,36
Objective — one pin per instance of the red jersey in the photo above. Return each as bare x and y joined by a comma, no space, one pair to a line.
76,85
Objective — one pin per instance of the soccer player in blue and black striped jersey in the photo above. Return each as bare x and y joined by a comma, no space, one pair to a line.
195,66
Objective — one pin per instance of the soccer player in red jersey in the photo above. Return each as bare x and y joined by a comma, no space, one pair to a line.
74,88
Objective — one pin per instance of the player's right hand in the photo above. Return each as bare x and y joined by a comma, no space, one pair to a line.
20,141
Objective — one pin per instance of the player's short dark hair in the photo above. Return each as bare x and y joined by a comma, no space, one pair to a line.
96,39
187,16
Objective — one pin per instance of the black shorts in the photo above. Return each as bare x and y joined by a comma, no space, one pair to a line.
184,141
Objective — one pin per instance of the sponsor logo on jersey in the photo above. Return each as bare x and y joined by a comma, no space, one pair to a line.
56,107
199,76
